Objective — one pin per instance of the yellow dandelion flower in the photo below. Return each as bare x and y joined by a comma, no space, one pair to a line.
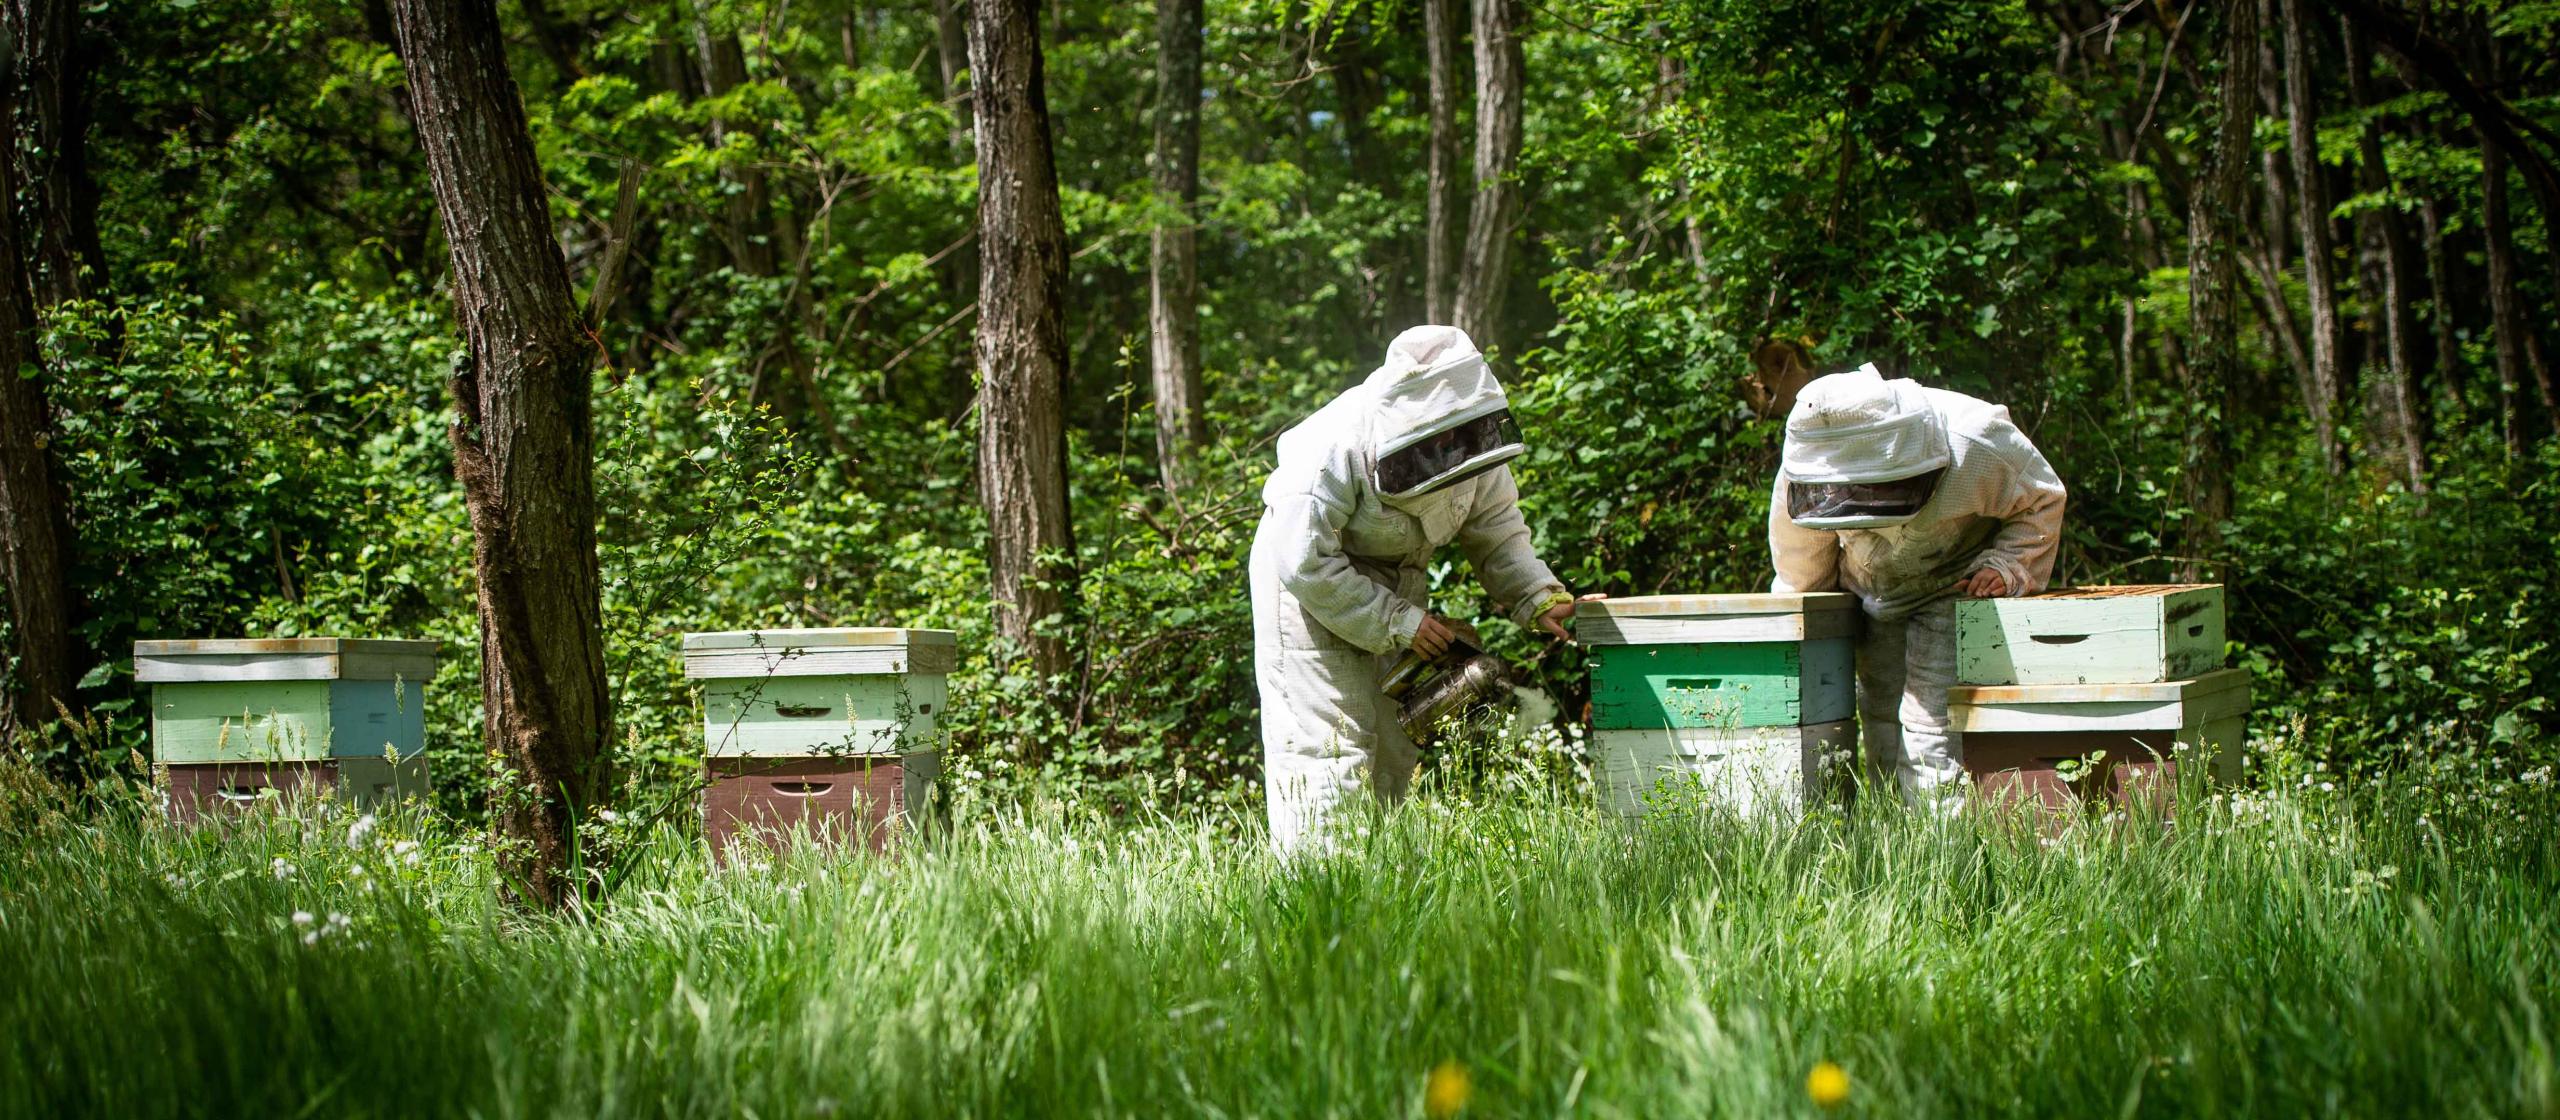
1828,1085
1447,1090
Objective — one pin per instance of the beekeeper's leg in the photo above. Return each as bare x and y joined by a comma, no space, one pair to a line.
1319,735
1882,663
1932,770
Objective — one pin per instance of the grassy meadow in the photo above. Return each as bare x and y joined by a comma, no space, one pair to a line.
2315,952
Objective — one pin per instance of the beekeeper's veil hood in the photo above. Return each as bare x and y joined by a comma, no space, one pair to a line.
1861,451
1439,416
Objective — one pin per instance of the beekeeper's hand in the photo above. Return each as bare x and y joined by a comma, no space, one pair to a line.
1984,584
1554,619
1431,639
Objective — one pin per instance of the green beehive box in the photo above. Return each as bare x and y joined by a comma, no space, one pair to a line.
2091,635
821,693
1720,661
285,699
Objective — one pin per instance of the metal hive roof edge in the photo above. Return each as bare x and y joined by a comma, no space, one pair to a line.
1656,606
250,647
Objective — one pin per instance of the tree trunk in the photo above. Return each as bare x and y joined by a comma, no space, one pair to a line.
2311,213
59,215
951,43
2391,406
523,446
2216,209
2510,321
2274,197
1022,335
35,525
2447,362
1485,276
1441,248
1173,303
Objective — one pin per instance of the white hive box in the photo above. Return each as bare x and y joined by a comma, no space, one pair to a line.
1749,770
2091,635
821,693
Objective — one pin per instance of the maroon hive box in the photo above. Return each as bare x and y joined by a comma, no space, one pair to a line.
195,792
867,800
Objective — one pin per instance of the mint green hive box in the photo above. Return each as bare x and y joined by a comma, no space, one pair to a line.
2135,634
1720,661
285,699
857,691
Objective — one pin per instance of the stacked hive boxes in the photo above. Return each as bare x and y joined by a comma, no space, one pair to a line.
828,729
2121,675
236,722
1746,700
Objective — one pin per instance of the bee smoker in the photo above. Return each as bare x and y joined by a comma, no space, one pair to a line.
1462,679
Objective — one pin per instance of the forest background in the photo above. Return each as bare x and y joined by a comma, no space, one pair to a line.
2270,281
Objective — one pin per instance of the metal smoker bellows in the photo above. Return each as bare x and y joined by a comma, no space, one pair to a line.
1463,678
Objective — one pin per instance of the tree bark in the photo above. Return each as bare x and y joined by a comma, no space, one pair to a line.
523,446
2311,214
35,523
2216,209
951,47
1441,249
2447,362
2391,404
1022,335
1173,272
59,215
1484,277
2510,321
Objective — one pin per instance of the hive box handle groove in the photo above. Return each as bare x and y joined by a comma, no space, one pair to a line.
799,711
240,793
2059,639
802,789
1703,683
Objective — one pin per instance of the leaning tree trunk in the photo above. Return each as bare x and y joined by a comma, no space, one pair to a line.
35,526
2215,212
2391,400
1485,274
1022,334
2311,215
1440,248
2509,320
1173,269
523,445
59,224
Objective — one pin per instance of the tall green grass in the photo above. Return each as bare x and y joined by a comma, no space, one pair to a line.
2275,960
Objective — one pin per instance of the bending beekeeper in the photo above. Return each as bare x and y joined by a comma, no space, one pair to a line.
1910,497
1366,490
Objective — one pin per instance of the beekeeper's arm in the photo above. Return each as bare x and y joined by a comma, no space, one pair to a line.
1804,559
1496,541
2031,519
1306,506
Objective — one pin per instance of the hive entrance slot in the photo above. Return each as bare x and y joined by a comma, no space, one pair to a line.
239,793
1700,684
802,789
800,711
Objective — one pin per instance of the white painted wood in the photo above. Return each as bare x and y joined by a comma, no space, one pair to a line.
749,664
2160,706
1751,770
1644,630
1683,606
2091,634
284,659
819,653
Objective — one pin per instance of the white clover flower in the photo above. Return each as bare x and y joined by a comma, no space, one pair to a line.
311,938
279,868
357,832
2328,787
338,921
610,816
302,917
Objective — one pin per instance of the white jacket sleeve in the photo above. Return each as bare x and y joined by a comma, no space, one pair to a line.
1306,508
2031,523
1496,541
1804,559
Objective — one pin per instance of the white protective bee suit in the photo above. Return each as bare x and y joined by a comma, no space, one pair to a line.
1366,490
1900,492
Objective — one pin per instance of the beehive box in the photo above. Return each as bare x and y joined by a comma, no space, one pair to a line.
285,699
2020,740
811,693
1750,770
2091,635
194,792
830,730
864,800
1712,662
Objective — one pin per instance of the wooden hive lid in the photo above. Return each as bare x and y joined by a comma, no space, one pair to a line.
835,651
284,659
1715,606
2210,684
2122,591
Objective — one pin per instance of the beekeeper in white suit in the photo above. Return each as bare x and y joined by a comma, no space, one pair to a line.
1910,497
1366,490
